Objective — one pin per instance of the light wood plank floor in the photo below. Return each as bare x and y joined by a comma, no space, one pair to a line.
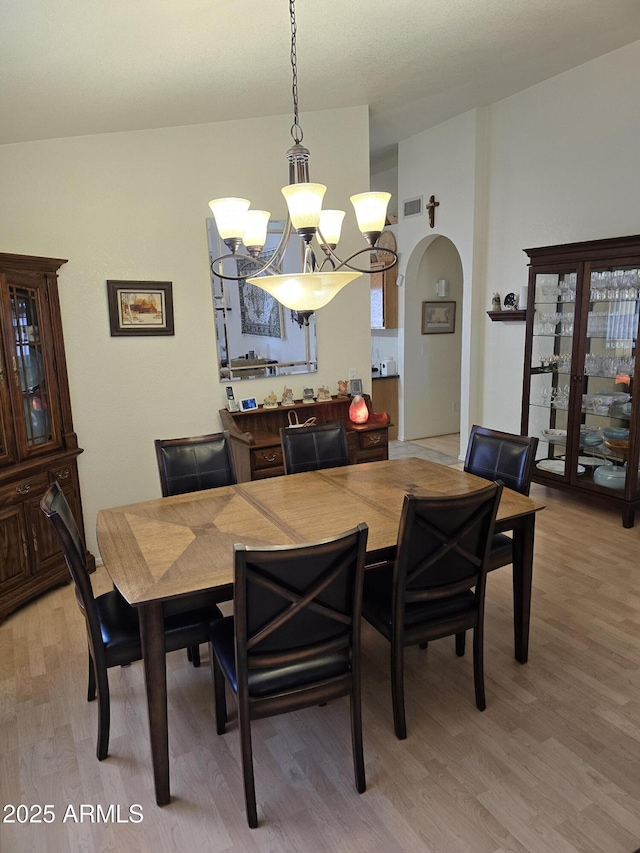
552,765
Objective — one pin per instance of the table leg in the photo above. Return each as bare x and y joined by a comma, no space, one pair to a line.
155,675
523,533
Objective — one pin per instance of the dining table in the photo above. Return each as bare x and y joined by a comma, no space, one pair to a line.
172,547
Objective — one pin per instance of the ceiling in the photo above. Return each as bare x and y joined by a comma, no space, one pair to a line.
75,67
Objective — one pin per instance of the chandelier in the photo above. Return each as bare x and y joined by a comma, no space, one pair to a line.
320,277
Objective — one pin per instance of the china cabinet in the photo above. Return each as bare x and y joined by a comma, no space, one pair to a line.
37,441
581,369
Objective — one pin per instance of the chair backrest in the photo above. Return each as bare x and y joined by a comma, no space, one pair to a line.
192,464
501,456
314,447
295,602
54,505
443,544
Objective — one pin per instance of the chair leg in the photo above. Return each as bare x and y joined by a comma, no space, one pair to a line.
460,643
397,691
356,741
478,667
423,645
193,654
189,655
104,713
247,765
91,689
220,699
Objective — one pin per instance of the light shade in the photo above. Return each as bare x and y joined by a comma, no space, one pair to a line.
331,226
305,203
371,210
231,216
256,228
305,291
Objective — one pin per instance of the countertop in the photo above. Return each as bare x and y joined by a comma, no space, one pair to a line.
376,375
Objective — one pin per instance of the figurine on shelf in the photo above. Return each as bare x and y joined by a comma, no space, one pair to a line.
510,302
324,396
307,395
271,401
495,302
287,397
343,390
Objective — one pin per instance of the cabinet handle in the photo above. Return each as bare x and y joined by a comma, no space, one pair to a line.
269,457
62,474
23,489
374,439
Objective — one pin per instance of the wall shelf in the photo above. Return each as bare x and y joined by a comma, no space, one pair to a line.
507,315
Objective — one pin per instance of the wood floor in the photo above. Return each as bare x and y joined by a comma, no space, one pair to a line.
551,766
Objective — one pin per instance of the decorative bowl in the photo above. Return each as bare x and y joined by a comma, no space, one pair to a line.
611,476
554,436
615,432
618,445
590,439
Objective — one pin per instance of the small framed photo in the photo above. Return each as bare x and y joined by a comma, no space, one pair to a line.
355,387
140,307
438,318
248,404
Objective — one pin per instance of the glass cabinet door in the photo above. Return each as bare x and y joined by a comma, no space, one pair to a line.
606,375
34,403
552,354
7,446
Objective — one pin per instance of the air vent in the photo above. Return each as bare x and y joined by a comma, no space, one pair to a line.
412,207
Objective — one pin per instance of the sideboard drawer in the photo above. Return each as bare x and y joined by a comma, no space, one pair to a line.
266,457
28,487
373,439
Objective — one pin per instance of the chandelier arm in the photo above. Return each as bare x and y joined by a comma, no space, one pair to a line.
339,264
272,266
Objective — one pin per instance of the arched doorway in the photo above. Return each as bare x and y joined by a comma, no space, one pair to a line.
432,355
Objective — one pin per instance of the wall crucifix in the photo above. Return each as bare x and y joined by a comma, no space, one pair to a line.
431,207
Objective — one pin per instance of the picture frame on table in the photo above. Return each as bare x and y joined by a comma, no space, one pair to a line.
355,387
438,318
140,307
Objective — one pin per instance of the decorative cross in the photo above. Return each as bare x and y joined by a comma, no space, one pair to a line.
431,207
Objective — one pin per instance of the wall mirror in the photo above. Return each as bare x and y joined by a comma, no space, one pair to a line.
257,336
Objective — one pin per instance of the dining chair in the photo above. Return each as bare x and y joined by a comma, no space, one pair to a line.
436,586
314,447
113,634
191,464
294,639
495,455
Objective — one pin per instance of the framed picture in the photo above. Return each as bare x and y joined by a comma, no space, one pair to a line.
355,387
140,307
438,318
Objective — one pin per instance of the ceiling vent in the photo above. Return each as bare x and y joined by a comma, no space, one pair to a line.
412,207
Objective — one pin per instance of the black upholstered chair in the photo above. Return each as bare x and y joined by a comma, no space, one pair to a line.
192,464
436,587
509,458
113,634
294,640
314,447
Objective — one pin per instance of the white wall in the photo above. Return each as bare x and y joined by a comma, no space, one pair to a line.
132,206
556,163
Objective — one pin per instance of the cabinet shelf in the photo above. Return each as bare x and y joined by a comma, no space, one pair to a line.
575,273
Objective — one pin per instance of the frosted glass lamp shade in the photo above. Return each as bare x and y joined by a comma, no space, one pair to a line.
305,291
330,226
305,203
255,234
371,211
231,216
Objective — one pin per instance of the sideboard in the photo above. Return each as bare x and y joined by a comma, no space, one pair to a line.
255,435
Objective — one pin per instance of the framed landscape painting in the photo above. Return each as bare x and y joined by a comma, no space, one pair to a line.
438,318
140,307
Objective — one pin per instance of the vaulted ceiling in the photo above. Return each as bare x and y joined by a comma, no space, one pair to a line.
75,67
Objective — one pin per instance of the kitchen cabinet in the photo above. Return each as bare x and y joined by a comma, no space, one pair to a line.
384,290
37,443
581,370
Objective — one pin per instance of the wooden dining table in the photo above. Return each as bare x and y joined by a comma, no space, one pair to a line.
171,547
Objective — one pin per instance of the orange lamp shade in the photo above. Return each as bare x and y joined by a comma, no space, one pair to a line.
358,412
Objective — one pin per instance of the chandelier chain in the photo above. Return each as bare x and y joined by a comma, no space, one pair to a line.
296,130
